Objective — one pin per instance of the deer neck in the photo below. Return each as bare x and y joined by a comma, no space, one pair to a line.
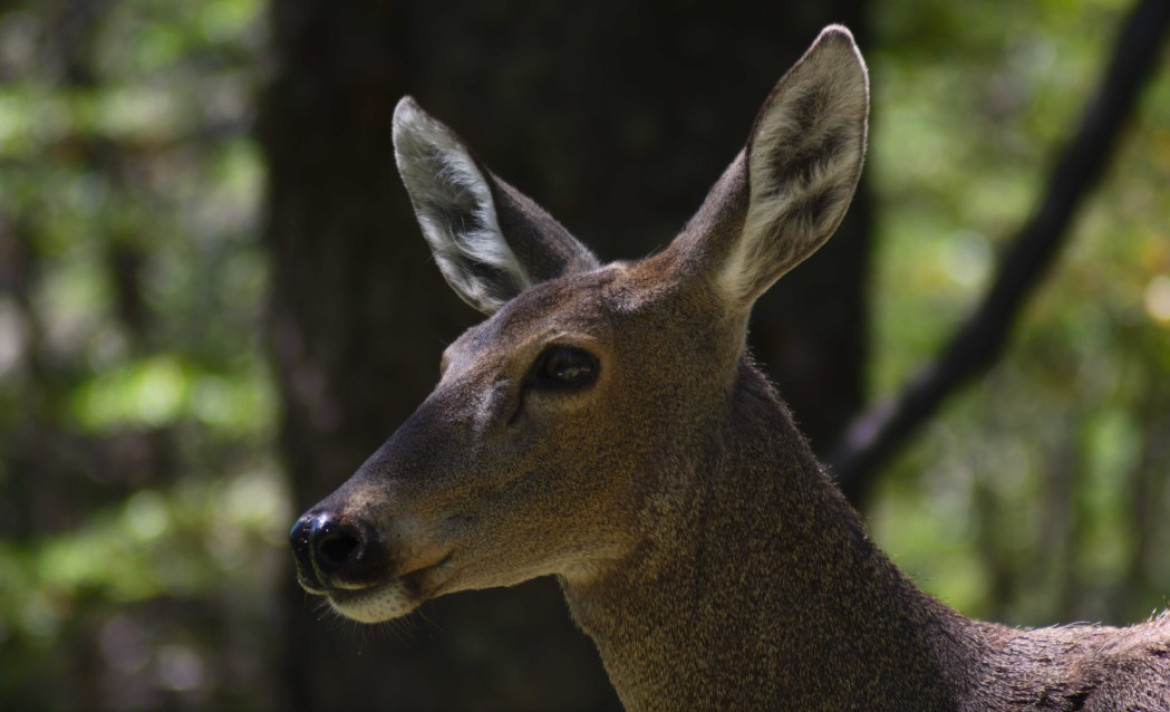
765,591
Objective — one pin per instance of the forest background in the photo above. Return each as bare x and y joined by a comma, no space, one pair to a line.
215,303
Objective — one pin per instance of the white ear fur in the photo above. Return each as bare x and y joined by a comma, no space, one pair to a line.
804,159
454,205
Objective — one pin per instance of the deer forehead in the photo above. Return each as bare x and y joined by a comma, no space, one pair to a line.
579,309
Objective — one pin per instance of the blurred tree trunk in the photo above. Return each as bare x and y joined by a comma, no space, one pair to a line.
615,116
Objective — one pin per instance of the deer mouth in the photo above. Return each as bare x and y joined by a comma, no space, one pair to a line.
389,599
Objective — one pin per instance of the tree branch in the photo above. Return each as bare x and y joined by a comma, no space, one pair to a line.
879,433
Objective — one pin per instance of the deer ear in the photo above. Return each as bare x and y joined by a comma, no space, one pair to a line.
784,196
490,241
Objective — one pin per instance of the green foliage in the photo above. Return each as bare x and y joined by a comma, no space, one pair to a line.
142,513
1036,496
142,516
161,390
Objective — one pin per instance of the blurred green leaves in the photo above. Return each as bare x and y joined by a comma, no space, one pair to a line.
1037,496
177,542
142,516
138,496
161,390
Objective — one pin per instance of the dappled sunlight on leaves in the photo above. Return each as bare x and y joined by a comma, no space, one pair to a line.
1036,494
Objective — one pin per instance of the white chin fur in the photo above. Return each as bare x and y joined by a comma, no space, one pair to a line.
376,605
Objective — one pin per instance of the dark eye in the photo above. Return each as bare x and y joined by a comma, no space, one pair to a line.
565,367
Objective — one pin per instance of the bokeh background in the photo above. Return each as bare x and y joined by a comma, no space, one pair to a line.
214,303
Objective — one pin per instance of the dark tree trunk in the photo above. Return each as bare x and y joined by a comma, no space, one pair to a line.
615,116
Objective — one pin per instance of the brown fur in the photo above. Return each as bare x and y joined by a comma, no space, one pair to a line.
697,540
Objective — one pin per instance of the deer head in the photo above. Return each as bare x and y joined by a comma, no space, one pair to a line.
565,428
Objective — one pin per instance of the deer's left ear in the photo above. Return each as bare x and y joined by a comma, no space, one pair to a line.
491,242
784,196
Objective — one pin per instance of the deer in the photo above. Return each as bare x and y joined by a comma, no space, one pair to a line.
606,425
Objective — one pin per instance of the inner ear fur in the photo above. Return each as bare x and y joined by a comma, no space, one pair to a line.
490,241
786,193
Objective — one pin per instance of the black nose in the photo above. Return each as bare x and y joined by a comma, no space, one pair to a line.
328,549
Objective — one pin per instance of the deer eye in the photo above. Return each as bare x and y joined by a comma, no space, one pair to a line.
565,367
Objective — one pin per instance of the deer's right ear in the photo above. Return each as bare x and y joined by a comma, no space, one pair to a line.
784,196
490,241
